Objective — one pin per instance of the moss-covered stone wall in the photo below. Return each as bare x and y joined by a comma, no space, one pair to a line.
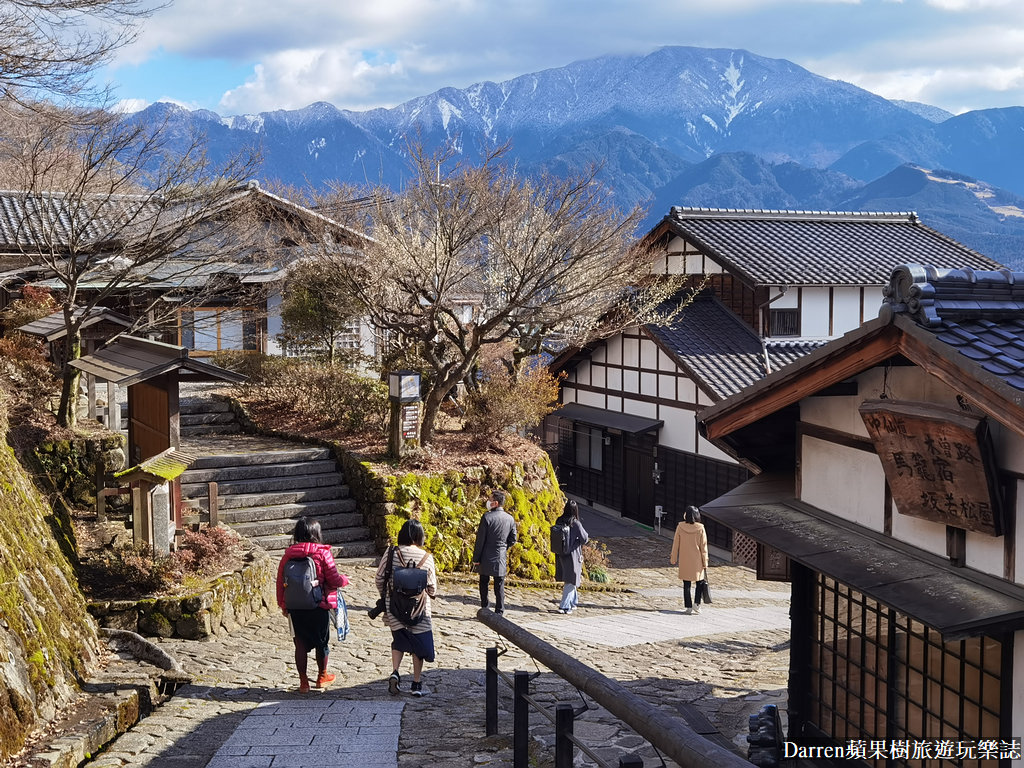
224,605
47,637
70,465
450,506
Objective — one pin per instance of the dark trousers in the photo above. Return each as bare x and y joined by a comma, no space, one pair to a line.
499,592
686,593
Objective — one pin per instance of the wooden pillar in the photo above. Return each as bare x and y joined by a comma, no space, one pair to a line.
113,411
90,390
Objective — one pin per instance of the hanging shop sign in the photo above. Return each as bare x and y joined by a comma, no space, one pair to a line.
939,462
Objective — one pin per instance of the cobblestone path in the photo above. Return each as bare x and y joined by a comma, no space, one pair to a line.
241,711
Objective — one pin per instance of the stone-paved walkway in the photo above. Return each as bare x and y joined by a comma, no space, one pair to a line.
242,711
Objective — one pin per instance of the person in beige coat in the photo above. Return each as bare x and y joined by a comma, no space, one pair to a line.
690,550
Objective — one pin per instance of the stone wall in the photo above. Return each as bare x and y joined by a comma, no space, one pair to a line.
47,638
230,601
450,506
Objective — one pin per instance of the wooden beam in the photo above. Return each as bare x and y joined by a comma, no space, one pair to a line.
808,381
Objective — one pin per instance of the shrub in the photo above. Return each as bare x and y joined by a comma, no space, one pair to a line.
22,360
506,401
595,560
34,304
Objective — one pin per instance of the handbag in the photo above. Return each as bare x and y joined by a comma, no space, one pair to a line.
705,589
339,619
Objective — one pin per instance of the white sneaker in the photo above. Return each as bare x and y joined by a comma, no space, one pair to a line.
688,611
696,609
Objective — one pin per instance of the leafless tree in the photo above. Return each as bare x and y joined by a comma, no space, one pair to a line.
50,47
103,202
474,254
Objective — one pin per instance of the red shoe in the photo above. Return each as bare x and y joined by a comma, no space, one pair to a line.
303,685
325,679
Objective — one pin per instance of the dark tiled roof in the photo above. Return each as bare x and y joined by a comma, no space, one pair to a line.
979,314
720,351
818,247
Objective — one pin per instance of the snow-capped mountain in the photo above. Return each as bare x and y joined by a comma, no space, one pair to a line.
647,120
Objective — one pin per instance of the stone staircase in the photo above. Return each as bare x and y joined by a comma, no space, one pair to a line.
265,484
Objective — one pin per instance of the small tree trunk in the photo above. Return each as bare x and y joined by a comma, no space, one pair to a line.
67,411
431,406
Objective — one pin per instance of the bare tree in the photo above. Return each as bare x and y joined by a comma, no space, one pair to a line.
472,255
50,47
103,202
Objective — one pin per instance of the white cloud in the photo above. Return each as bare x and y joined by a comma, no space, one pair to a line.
372,53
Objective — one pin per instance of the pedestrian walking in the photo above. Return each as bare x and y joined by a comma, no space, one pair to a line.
690,550
495,534
416,638
310,627
569,564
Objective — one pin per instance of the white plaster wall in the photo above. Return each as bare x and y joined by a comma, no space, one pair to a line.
845,310
838,413
666,386
583,372
568,394
615,350
615,404
872,301
598,375
1009,447
598,355
630,352
630,381
687,391
704,448
844,481
1018,565
665,363
787,300
648,354
984,553
640,408
649,384
922,534
680,430
590,398
274,326
814,312
615,379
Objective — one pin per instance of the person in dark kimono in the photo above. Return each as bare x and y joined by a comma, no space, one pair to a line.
569,567
495,534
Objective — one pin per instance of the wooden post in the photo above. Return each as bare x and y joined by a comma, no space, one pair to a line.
491,691
214,506
101,497
671,736
563,731
521,720
90,394
113,412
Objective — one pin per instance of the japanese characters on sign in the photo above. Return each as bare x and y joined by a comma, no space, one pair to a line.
939,463
410,421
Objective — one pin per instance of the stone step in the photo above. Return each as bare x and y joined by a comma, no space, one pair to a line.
276,545
211,429
342,509
197,419
238,501
193,405
267,484
250,458
256,471
285,527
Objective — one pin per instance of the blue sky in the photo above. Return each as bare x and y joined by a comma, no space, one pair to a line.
246,56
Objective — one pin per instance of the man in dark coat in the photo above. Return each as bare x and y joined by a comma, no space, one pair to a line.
495,534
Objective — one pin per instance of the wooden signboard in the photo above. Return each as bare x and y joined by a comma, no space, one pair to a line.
772,564
939,462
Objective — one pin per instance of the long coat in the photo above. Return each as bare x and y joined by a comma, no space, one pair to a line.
569,568
690,550
495,534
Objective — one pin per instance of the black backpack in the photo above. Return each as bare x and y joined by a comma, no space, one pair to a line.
407,583
561,536
302,590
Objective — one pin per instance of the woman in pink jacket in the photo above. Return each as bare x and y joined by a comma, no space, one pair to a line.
690,550
311,629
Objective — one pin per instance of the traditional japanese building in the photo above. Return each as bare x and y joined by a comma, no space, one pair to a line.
890,479
778,284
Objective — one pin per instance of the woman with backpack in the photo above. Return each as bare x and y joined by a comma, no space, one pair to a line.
307,584
569,562
408,607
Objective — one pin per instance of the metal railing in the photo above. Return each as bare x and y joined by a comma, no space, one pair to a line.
668,735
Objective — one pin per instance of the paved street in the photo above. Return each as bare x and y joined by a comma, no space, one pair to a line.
242,710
